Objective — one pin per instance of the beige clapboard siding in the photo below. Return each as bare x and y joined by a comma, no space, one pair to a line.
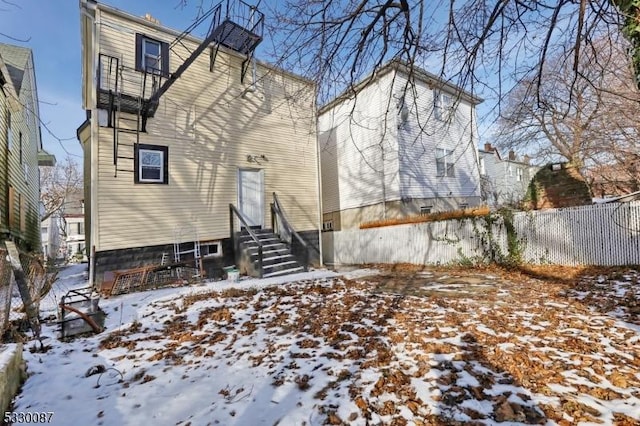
210,122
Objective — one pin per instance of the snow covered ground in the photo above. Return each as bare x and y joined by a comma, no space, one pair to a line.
320,348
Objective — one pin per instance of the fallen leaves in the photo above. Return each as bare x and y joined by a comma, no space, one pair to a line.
416,357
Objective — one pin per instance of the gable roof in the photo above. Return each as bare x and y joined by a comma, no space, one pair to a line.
408,69
6,82
15,59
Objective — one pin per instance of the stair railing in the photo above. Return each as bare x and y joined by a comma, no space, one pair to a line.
285,231
235,242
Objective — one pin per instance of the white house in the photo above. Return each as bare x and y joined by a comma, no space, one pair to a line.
403,145
504,180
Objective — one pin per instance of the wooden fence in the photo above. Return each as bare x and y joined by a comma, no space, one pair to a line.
604,234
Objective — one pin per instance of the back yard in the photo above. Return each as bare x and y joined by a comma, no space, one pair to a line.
397,345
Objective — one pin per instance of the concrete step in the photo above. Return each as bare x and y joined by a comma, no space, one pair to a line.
283,272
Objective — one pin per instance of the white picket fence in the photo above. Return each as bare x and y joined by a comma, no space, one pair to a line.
604,234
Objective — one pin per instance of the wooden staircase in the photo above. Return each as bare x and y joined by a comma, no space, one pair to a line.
277,258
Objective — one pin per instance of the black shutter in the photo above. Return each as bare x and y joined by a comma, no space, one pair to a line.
136,163
165,178
139,52
164,56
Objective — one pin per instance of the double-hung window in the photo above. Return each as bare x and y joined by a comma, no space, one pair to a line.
151,58
152,55
444,163
151,164
442,105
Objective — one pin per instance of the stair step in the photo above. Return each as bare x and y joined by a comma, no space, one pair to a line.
282,256
284,272
255,247
277,265
251,240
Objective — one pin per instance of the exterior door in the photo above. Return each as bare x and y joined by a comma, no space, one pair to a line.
251,195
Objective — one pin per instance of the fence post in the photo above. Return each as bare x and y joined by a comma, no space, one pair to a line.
29,307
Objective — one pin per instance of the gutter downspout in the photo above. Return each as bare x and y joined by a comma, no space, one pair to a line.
318,176
85,5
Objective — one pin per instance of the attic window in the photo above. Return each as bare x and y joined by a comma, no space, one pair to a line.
152,55
425,210
151,164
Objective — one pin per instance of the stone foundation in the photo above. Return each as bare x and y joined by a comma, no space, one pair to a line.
12,373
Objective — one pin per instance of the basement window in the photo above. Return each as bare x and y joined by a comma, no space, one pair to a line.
152,55
211,249
151,164
327,225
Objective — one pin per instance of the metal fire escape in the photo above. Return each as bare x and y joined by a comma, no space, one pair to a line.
131,96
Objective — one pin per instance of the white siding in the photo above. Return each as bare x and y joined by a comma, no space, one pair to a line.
422,133
501,186
365,155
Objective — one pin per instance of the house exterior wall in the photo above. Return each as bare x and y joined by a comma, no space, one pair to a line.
211,123
4,168
378,152
359,151
501,185
422,133
50,236
21,175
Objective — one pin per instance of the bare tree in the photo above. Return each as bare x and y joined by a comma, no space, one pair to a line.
479,45
588,118
57,183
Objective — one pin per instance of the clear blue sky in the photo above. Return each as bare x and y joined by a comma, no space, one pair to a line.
51,28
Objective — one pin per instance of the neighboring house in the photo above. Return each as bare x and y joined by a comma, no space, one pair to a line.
20,143
50,236
403,145
505,181
72,226
179,130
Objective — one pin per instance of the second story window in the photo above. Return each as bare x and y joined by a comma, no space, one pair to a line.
442,105
519,174
152,55
444,163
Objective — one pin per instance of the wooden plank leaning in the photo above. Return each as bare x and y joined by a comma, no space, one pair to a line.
21,280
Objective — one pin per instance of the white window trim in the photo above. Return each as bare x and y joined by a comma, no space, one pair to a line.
144,54
448,162
141,166
208,244
443,105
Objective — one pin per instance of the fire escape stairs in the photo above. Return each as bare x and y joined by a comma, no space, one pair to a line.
240,30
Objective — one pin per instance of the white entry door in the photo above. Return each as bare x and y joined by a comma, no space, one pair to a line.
251,195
